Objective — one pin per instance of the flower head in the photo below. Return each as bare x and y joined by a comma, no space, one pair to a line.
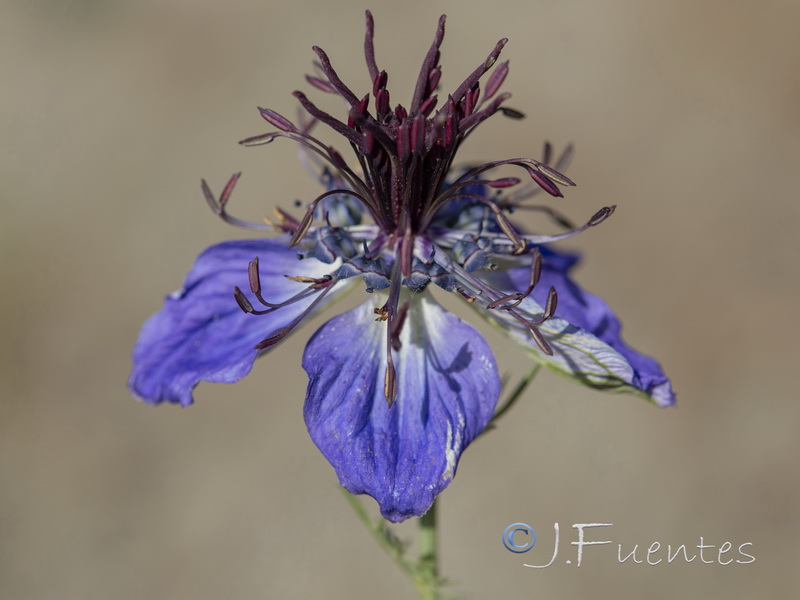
398,387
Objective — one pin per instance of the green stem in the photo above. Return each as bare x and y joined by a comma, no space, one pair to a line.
383,535
423,572
427,576
514,396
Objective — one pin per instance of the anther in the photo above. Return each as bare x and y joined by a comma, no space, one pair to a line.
382,102
552,303
450,130
496,79
321,85
369,143
362,107
601,215
555,175
536,269
544,182
433,80
226,193
258,140
403,141
242,301
506,302
379,83
336,159
513,300
390,384
253,276
302,228
417,137
519,245
504,182
512,113
470,101
540,341
427,107
303,279
277,120
218,206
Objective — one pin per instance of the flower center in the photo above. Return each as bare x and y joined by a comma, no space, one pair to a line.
429,224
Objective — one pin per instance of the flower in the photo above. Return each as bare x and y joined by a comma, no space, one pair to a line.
398,387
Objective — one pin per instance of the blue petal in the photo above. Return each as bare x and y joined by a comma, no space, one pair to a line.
591,313
202,334
448,386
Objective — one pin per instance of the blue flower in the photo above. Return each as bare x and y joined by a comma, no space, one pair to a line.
398,387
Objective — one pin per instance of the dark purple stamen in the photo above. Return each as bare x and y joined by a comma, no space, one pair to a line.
218,206
515,299
320,84
324,285
254,280
512,113
279,121
405,183
496,79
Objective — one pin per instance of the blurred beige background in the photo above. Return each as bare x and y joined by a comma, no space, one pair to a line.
684,113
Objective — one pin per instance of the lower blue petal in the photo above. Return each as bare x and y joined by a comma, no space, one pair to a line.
591,313
448,386
201,334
